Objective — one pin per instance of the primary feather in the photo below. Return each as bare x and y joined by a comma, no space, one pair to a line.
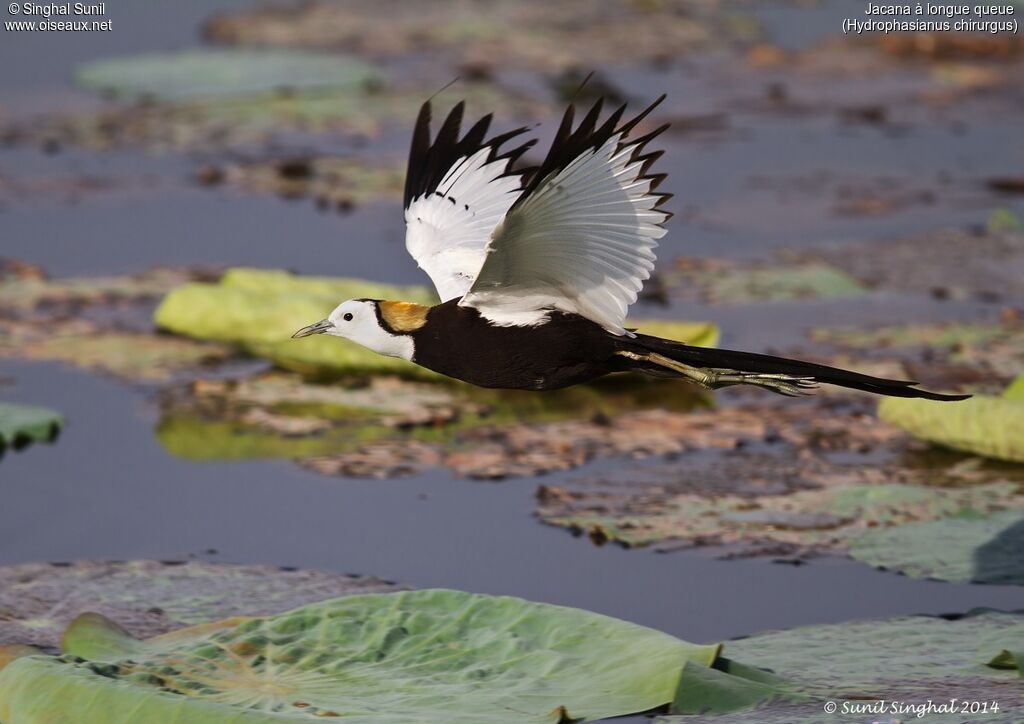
456,191
581,236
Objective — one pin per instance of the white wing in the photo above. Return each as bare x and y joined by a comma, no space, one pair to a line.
581,238
456,192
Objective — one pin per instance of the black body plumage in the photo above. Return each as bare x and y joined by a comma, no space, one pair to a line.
568,349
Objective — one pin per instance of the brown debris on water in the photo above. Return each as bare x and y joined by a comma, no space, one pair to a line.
532,34
813,480
98,323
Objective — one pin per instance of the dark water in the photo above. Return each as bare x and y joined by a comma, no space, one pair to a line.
107,489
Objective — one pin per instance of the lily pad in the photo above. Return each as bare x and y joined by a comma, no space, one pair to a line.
259,311
989,426
37,600
733,282
868,667
968,549
22,424
422,656
196,74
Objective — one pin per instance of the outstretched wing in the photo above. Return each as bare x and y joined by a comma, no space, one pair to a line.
456,191
581,237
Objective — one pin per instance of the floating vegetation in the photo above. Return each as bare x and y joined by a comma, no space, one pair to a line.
856,665
213,99
215,74
967,549
795,482
99,323
534,35
38,600
721,281
420,656
984,425
21,425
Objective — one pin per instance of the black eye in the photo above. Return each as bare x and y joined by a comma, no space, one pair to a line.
347,316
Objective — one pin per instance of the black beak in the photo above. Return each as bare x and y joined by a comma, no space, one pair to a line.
319,328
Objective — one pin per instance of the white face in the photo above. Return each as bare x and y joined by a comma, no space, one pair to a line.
356,320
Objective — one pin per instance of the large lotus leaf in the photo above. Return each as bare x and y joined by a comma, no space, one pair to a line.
989,426
259,310
978,549
37,600
910,659
729,686
22,424
425,656
195,74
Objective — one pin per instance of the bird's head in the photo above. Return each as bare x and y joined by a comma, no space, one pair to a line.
381,326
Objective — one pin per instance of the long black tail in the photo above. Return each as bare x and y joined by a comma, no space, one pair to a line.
749,363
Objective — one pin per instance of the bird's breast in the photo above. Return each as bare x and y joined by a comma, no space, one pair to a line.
458,342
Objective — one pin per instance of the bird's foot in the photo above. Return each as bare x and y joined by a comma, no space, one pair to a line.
789,385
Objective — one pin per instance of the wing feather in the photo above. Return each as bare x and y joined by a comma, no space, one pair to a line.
456,191
581,236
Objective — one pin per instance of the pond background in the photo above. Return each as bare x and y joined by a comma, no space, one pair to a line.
108,490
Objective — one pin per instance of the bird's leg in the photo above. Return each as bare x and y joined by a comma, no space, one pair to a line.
717,377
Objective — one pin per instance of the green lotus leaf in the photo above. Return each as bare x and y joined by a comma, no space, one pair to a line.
425,656
260,310
989,426
38,600
193,74
22,424
978,549
729,686
909,659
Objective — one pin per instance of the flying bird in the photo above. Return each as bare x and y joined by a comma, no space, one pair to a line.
536,268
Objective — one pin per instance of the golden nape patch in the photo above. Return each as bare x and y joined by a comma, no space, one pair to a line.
403,316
